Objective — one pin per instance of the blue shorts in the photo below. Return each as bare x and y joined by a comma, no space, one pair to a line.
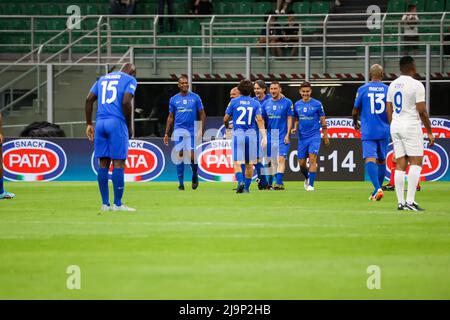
375,148
280,149
307,146
111,139
245,148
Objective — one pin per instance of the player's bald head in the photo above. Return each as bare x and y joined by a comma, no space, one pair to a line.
376,72
234,93
129,68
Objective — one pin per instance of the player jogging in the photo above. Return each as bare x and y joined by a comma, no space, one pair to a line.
246,115
406,109
184,109
3,193
370,103
277,113
310,117
112,130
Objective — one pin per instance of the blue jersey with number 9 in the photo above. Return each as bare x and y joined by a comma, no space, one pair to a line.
244,110
110,90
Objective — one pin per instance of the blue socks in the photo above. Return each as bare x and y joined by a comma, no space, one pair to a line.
258,167
102,179
2,190
312,178
239,177
270,179
118,178
372,171
279,178
180,173
248,181
381,173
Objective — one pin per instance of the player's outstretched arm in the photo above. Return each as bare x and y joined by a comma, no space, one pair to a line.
423,114
127,109
323,123
169,125
88,108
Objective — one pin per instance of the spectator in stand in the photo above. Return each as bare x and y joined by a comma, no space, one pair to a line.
161,8
282,6
123,6
275,36
203,7
291,35
411,31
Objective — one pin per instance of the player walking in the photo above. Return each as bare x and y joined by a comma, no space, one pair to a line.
246,115
277,114
112,130
3,193
184,108
406,109
370,103
310,118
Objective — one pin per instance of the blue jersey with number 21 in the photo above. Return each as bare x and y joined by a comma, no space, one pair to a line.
244,110
371,101
110,90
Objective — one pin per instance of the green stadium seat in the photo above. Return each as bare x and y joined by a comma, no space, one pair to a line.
302,7
190,27
263,7
91,9
116,24
120,45
50,9
396,6
40,24
320,7
135,24
12,9
223,8
57,24
31,9
19,24
435,5
180,8
242,8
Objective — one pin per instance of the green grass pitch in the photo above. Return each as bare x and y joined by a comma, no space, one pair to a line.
214,244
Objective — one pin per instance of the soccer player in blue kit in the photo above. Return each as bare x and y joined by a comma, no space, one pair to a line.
246,115
184,109
277,113
310,118
370,103
3,194
259,89
112,130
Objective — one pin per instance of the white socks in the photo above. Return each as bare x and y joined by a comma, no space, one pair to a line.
413,179
400,185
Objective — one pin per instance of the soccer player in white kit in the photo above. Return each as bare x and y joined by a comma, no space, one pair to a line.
406,109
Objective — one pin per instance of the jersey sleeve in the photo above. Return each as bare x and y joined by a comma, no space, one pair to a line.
290,109
358,99
171,106
420,92
259,109
294,111
229,110
131,87
199,103
94,89
320,111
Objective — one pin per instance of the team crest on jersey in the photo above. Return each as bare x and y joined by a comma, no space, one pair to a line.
145,161
434,165
440,128
33,160
342,128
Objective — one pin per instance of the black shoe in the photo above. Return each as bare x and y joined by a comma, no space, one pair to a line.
181,188
415,206
241,187
194,182
401,207
269,187
388,187
278,187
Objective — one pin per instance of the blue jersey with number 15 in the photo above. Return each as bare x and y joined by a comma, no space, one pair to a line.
371,101
244,110
110,90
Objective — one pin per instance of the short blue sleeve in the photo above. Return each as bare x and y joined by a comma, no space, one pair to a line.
199,103
320,110
358,99
131,86
229,110
290,108
94,89
171,106
294,111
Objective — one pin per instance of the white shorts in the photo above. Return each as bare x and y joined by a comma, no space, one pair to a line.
408,142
